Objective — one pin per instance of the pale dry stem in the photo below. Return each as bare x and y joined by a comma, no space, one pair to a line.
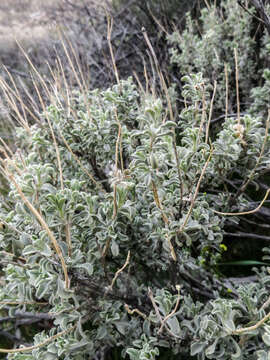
41,221
244,212
195,193
30,348
118,272
109,34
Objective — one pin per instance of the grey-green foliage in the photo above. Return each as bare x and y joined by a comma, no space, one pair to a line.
138,203
207,45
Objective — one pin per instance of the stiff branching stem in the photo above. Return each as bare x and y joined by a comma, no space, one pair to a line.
244,212
182,227
118,272
40,345
42,222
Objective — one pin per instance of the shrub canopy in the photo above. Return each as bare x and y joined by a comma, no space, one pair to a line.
112,231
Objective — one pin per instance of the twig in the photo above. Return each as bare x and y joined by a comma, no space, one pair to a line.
224,117
158,203
151,296
181,189
244,186
115,207
22,303
120,270
248,235
195,193
45,342
244,212
259,6
68,238
131,312
253,327
42,223
164,217
266,304
27,315
173,311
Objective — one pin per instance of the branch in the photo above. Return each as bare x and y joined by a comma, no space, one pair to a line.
253,327
27,315
248,236
11,337
45,342
260,8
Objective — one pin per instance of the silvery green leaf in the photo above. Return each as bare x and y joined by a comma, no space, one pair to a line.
266,338
238,352
42,289
114,248
133,354
102,332
186,323
87,267
197,348
146,327
80,345
62,291
211,349
50,356
174,325
263,355
121,326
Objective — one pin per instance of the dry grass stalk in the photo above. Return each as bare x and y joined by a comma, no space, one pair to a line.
109,36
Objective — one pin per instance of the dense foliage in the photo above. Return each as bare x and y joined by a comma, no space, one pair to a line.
208,46
113,227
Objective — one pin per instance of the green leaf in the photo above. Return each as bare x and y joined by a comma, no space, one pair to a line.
87,267
210,349
266,338
133,354
244,263
197,348
114,248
